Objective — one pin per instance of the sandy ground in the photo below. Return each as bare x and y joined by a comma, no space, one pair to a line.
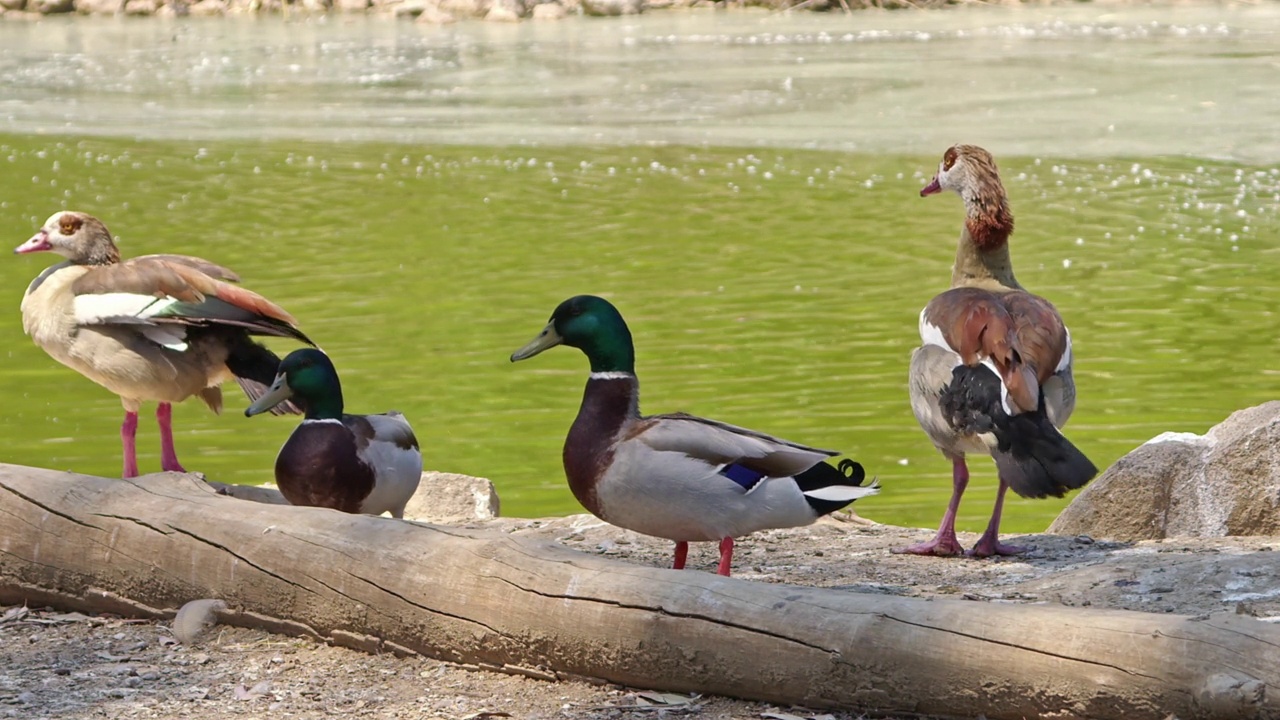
67,665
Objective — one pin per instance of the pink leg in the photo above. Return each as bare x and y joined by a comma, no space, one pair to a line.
128,438
168,456
682,553
726,556
989,544
945,543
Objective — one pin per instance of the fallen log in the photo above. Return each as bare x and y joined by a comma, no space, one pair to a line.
143,547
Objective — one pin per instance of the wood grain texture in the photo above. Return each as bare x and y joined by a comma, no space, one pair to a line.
145,546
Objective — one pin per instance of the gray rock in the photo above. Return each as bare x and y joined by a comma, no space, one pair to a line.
433,15
141,7
50,7
502,12
1226,482
452,498
99,7
465,8
209,8
607,8
12,4
549,11
410,9
257,493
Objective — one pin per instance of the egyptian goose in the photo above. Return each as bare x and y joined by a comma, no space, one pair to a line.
993,372
354,463
677,476
158,327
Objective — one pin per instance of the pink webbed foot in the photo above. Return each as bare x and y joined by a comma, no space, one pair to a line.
988,546
942,545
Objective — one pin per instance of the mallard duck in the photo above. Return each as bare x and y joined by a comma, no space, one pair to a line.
158,327
354,463
677,476
993,374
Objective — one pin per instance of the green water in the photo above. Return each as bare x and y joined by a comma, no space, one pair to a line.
777,289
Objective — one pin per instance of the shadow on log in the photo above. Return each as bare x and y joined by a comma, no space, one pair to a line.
145,546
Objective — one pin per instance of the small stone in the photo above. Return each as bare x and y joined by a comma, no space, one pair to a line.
549,11
501,13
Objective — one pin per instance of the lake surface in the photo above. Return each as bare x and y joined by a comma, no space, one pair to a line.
743,186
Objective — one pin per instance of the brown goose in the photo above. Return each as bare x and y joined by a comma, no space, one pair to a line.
158,327
993,372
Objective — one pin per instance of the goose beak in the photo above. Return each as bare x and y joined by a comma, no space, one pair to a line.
933,188
276,394
38,243
548,338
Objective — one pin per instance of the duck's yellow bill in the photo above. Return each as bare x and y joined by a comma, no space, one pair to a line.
548,338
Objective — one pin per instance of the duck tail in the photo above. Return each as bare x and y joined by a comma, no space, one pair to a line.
255,369
1032,455
828,488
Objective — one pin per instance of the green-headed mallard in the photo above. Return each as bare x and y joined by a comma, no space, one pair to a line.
157,327
677,476
993,373
354,463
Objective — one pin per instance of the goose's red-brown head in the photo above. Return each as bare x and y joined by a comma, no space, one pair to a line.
971,172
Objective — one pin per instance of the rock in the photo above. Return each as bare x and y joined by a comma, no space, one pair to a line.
607,8
351,5
99,7
549,11
50,7
502,12
441,497
12,4
141,7
209,8
433,15
466,8
1226,482
259,493
452,498
410,9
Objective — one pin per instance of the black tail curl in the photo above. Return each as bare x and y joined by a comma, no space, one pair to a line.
822,475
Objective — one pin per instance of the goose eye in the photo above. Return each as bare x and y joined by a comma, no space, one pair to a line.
949,159
67,227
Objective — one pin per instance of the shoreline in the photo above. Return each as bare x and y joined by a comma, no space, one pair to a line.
443,12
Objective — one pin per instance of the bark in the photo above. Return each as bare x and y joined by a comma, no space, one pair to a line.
144,547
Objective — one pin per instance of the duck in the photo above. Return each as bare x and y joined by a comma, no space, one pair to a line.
678,476
157,328
359,464
994,371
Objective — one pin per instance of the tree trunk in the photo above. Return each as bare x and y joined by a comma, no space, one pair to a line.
143,547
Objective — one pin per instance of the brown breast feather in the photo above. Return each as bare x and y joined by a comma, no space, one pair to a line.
1021,333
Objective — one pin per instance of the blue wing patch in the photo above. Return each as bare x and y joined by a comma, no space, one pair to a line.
746,477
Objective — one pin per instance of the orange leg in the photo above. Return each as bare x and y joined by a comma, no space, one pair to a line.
682,553
726,556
